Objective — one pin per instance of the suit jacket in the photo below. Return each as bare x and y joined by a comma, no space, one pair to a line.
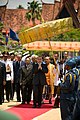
26,75
2,72
39,75
17,70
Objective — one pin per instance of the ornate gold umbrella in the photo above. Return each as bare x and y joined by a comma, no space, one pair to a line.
46,30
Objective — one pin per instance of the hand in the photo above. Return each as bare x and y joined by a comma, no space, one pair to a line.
4,82
20,83
58,82
12,81
40,68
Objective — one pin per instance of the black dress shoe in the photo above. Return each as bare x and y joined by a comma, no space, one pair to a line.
11,98
23,102
0,103
50,102
39,106
34,106
55,106
18,100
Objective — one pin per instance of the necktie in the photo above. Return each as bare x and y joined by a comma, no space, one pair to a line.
18,63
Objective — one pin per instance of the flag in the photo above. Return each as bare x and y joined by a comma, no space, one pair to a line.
13,35
6,37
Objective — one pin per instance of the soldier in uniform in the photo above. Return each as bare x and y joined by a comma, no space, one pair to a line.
76,111
67,96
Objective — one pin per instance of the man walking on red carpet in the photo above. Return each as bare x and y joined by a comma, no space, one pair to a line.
39,80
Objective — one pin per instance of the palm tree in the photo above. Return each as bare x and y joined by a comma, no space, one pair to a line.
34,11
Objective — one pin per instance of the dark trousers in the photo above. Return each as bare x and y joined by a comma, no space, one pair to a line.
55,90
12,90
76,111
18,91
57,100
37,94
3,87
8,89
26,92
66,107
1,93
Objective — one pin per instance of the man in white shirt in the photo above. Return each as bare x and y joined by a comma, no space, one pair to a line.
9,74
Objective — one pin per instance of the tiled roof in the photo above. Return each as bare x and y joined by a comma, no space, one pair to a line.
15,18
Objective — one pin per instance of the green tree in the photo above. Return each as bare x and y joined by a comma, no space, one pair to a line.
34,11
20,7
1,26
2,39
73,35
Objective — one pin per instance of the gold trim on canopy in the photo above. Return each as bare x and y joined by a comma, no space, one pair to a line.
55,46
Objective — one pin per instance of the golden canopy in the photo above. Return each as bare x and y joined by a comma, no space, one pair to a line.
45,30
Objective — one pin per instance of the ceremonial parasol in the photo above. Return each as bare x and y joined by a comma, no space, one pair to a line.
46,30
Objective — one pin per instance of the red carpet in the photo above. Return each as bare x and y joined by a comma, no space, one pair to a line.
26,112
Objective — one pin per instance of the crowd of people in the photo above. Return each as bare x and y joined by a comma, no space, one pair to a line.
46,77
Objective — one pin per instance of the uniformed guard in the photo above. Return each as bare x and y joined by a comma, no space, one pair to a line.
76,72
67,96
76,111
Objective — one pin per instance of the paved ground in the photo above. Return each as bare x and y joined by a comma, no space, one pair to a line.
53,114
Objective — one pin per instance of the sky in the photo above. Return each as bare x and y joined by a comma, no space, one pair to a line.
13,4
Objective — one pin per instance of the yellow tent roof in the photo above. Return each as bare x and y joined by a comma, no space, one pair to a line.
46,30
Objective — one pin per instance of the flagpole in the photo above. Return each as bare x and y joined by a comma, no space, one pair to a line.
49,42
6,40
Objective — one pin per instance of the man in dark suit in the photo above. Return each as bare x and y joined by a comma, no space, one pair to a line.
26,78
17,65
2,81
39,80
